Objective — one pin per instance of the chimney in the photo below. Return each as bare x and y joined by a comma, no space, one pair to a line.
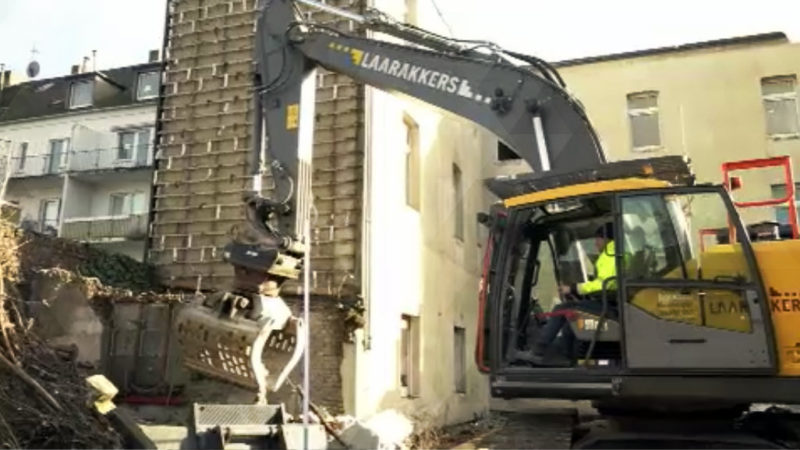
6,78
76,69
155,55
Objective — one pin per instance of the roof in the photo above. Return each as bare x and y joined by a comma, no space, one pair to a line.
48,97
674,169
623,184
727,42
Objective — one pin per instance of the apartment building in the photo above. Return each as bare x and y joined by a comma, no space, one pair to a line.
396,189
717,101
79,154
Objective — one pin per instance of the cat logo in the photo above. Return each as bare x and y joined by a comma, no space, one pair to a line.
783,302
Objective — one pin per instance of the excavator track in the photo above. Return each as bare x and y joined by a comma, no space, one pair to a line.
567,425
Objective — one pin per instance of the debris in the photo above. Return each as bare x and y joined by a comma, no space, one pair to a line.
453,436
386,430
18,371
48,409
324,418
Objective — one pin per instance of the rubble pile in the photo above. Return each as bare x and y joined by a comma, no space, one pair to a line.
43,395
454,436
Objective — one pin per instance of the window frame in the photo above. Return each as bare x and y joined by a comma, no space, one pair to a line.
131,195
22,155
71,105
754,280
780,97
63,157
136,143
43,213
460,362
630,113
410,356
459,205
783,207
139,77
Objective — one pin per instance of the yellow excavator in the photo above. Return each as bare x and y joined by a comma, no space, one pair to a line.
700,320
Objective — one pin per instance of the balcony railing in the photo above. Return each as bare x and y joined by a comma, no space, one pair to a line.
80,161
130,227
33,166
107,158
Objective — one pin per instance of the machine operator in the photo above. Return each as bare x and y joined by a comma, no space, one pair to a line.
588,295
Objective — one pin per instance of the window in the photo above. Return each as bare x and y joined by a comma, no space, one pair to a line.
643,115
48,215
80,94
662,246
134,145
459,359
58,155
412,163
662,235
780,106
22,154
410,12
125,203
458,201
782,212
504,153
147,85
409,356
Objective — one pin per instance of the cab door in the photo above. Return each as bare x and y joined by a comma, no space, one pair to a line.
689,304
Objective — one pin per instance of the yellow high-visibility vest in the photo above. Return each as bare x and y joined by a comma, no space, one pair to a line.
604,268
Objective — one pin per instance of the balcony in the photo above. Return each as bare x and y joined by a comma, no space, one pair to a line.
81,161
106,228
108,158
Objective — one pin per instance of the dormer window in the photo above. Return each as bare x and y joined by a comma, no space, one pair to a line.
80,94
147,85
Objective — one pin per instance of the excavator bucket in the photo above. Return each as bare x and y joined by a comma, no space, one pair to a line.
250,342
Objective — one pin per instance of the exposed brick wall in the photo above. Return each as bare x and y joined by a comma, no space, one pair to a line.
204,143
327,336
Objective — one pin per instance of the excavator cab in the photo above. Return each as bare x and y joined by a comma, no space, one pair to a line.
675,310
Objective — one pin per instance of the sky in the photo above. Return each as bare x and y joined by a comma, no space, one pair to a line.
123,31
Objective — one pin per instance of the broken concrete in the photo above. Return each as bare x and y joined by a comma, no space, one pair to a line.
386,430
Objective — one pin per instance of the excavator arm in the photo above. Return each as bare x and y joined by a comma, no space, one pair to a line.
525,106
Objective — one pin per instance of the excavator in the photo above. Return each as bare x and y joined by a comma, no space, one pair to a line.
686,335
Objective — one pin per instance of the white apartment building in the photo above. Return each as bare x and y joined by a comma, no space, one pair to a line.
78,153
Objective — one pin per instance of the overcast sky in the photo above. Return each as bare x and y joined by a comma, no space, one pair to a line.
122,31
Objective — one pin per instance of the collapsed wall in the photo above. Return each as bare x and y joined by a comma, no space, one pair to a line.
204,140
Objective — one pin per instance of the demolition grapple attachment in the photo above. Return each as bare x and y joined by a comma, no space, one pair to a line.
250,341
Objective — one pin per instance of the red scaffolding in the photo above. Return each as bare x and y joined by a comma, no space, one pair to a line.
789,199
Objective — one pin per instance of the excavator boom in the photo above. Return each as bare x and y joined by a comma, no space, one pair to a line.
526,107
